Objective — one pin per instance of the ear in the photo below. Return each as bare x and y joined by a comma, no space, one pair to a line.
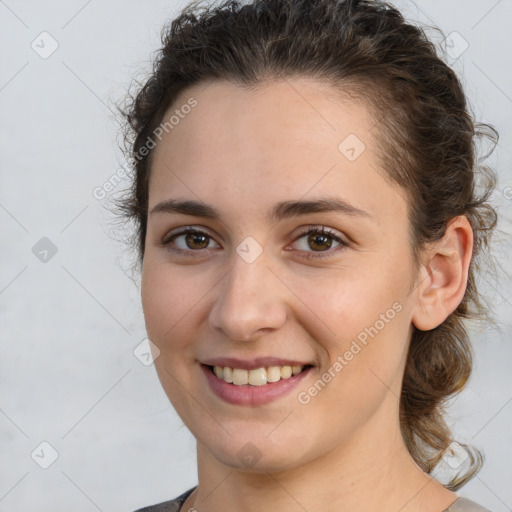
443,275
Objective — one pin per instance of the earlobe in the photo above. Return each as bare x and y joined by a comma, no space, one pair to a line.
443,275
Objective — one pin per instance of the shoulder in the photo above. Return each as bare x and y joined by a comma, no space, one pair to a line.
168,506
465,505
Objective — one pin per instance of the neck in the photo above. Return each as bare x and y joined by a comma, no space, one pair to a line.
371,473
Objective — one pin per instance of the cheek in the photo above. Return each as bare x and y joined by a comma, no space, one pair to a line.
168,294
168,298
365,345
346,301
361,313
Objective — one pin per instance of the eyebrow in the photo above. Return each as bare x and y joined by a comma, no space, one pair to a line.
282,210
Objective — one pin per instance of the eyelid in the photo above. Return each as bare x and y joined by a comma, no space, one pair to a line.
323,230
304,230
183,230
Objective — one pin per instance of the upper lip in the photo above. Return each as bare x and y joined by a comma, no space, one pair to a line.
251,364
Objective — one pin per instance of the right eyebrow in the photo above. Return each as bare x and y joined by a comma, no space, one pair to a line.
187,207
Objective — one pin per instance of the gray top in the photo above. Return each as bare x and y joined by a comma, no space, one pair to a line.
459,505
464,505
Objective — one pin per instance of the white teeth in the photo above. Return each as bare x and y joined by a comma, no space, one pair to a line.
228,374
240,377
257,376
286,372
273,374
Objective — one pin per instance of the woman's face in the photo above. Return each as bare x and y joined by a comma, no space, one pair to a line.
252,287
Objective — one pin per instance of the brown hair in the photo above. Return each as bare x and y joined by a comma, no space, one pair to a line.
427,144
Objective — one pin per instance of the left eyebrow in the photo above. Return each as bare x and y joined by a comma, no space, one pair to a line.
288,209
282,210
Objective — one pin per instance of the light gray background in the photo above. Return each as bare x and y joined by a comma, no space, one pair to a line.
69,326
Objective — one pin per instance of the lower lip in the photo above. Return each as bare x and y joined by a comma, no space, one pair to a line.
251,395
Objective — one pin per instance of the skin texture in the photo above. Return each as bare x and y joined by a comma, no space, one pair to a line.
243,151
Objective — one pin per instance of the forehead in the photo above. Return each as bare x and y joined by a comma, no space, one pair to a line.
278,141
276,115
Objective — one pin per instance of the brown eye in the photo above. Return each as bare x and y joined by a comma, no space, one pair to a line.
319,240
191,239
188,241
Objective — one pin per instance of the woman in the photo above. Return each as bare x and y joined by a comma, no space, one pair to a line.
308,230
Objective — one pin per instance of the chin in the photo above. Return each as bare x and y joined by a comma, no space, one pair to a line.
254,452
250,459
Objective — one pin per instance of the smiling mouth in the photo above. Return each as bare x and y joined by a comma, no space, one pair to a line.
257,376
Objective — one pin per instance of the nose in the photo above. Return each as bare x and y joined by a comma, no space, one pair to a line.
250,301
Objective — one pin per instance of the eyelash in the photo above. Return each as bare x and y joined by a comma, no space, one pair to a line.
310,230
